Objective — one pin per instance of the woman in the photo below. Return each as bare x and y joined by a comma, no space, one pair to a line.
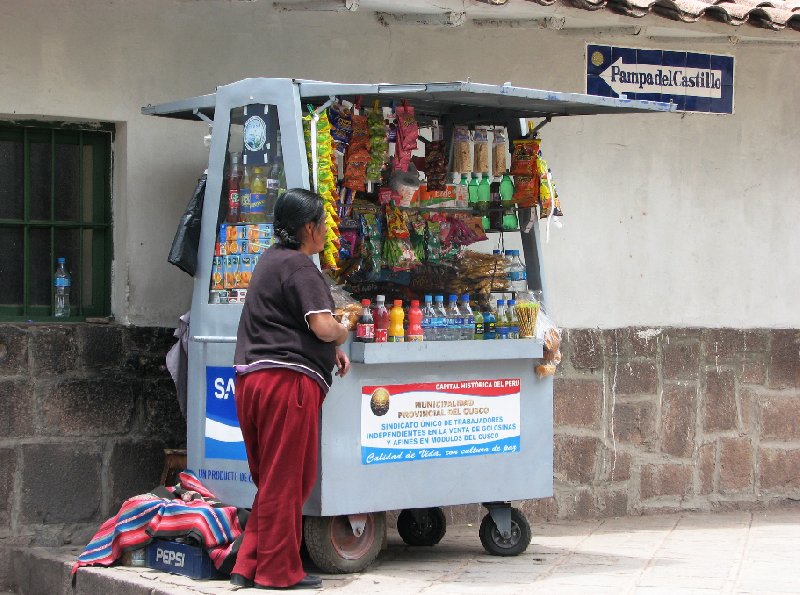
286,348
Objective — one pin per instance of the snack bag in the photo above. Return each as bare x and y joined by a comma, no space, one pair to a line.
499,161
462,150
481,143
523,157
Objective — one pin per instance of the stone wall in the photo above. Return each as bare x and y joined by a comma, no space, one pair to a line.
661,420
86,413
646,420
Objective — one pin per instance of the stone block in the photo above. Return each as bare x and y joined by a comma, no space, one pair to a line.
681,361
8,470
16,405
735,465
612,503
748,407
40,572
585,348
149,339
577,402
582,505
134,468
53,350
575,457
725,344
162,415
678,419
616,465
13,350
719,403
636,377
779,469
98,406
784,359
101,346
753,372
707,465
61,483
541,510
632,341
780,417
634,423
665,480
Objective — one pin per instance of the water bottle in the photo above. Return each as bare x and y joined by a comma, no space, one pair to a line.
467,319
513,323
429,331
61,284
501,324
518,276
440,320
454,322
489,325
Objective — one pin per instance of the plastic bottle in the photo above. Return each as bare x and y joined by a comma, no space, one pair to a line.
440,321
454,320
467,319
273,174
478,334
518,274
495,207
429,331
472,192
501,323
258,196
508,261
510,221
462,192
244,196
489,325
396,318
61,286
365,327
415,332
513,323
484,194
380,316
233,190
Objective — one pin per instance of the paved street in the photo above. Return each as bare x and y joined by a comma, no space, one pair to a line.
677,554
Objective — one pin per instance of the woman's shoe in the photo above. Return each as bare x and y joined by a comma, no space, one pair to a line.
309,581
239,580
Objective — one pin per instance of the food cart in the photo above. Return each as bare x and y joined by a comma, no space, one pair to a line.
462,422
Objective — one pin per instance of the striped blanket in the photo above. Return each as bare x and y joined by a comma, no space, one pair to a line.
187,509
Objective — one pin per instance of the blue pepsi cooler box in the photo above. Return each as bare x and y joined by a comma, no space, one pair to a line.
180,558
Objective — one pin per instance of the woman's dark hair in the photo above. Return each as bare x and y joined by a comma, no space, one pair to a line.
293,209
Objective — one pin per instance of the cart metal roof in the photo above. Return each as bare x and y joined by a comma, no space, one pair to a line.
462,101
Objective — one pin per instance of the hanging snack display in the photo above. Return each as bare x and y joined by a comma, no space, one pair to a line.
341,126
378,143
462,150
436,165
407,133
524,170
481,144
357,156
499,152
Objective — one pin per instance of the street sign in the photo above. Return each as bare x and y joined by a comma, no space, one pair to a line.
695,82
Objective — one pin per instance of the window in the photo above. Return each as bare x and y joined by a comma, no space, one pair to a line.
55,201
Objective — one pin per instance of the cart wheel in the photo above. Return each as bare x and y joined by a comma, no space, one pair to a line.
495,544
334,547
427,528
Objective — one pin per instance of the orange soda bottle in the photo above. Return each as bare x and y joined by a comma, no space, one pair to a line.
396,317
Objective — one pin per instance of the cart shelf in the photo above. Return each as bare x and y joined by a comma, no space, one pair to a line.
444,351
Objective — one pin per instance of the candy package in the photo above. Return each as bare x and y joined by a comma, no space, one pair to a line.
378,143
436,165
341,126
407,133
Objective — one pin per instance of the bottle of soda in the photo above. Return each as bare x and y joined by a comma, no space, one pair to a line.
507,198
233,190
365,328
495,207
244,196
467,318
380,316
61,286
258,196
501,322
429,330
484,195
415,332
454,322
472,192
462,192
396,317
273,173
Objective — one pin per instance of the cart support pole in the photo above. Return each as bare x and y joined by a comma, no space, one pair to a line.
501,515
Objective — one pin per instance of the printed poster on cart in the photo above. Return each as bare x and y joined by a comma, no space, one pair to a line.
439,420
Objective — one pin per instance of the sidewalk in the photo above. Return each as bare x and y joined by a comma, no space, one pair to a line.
738,552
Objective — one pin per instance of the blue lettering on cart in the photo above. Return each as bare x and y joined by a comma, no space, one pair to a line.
374,456
223,438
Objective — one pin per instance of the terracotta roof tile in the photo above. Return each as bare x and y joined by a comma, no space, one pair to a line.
769,14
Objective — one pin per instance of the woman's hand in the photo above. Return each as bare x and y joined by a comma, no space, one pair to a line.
342,362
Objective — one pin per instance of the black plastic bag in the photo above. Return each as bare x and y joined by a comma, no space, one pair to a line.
183,253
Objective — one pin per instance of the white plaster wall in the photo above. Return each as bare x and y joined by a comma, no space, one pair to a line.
670,219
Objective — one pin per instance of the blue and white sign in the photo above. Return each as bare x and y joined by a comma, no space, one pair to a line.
695,82
223,437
